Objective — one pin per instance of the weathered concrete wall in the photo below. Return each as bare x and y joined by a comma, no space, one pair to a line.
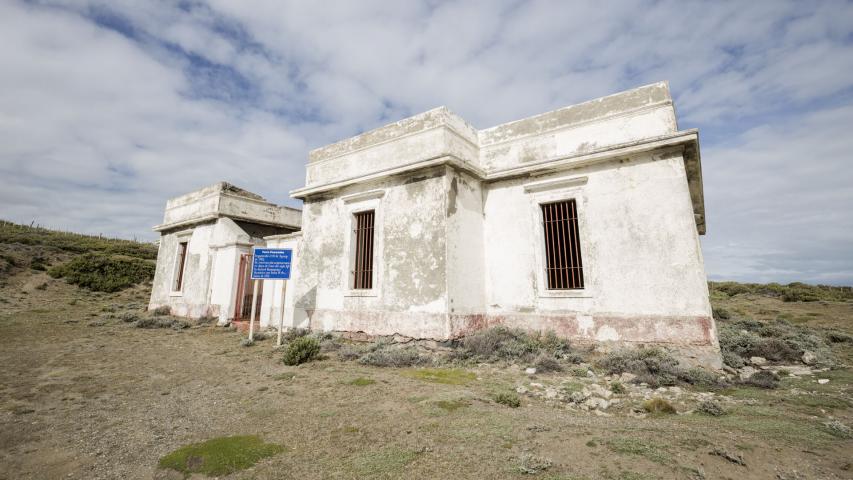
643,268
210,271
465,244
409,296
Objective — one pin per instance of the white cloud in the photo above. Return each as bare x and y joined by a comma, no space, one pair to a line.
107,108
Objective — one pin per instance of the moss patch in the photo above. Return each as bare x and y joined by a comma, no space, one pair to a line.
362,382
220,456
448,376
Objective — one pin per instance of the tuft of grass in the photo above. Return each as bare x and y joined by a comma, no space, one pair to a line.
220,456
633,446
385,355
161,322
838,429
362,381
618,388
301,350
447,376
510,399
385,463
530,464
658,405
451,405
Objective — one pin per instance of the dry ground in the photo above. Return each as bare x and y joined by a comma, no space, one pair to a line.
86,397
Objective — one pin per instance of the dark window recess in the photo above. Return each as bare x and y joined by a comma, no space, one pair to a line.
563,268
363,268
180,261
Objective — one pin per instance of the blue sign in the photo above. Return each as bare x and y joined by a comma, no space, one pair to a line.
271,263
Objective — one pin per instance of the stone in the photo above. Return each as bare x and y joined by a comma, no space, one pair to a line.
536,385
809,358
551,393
521,390
823,381
577,397
530,371
758,361
746,372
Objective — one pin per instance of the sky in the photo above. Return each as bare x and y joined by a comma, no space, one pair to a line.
109,108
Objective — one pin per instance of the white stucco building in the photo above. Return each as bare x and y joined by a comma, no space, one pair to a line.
584,220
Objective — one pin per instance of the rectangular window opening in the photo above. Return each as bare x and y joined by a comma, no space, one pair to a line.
363,267
180,261
563,266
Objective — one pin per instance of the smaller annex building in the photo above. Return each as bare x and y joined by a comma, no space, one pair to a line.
204,258
584,220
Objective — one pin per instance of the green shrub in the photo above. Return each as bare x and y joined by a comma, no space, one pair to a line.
763,379
658,405
721,314
104,273
162,322
219,456
546,362
618,388
711,407
702,378
653,366
301,350
38,263
162,310
733,360
509,399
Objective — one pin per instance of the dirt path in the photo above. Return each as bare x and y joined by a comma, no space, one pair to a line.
107,401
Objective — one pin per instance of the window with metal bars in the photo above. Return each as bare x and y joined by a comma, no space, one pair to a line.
180,260
363,232
563,265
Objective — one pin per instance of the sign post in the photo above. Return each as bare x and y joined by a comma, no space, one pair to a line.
270,264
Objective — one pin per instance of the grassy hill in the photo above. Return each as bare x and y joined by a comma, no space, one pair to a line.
93,262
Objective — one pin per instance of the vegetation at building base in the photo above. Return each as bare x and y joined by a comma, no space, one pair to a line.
104,273
220,456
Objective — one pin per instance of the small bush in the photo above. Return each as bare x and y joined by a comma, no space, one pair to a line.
763,379
651,365
618,388
838,337
387,356
658,405
294,333
301,350
129,317
838,429
711,407
38,263
162,310
349,352
531,464
509,399
546,362
702,378
721,314
733,360
104,273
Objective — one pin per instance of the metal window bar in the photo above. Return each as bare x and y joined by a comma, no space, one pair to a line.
182,255
363,268
564,267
